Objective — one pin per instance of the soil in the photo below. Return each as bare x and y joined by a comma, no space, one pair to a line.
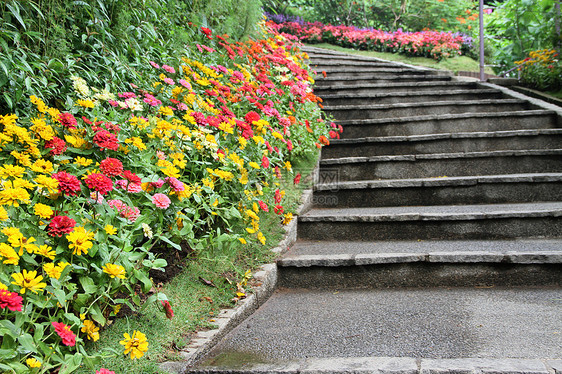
176,262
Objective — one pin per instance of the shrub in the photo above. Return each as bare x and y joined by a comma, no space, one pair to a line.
541,70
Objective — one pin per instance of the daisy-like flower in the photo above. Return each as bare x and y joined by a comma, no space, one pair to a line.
146,230
68,183
33,363
110,230
3,214
66,334
10,300
287,218
47,183
29,281
13,195
169,69
80,240
54,271
46,251
161,201
8,254
114,271
131,177
99,182
175,184
42,166
60,225
91,330
56,145
135,345
104,371
83,161
111,167
42,210
105,139
67,120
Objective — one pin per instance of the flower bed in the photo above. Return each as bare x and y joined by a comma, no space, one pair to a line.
88,190
432,44
541,70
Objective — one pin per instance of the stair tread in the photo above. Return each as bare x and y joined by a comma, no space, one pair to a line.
430,117
407,94
441,181
434,212
308,249
441,156
424,104
449,135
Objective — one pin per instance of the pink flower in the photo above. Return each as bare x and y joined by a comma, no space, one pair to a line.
161,201
66,334
185,83
263,206
159,183
99,182
169,69
103,370
175,184
154,64
265,162
12,301
169,81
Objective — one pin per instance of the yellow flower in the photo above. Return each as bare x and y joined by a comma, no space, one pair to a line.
91,330
171,171
3,286
22,243
288,165
22,183
287,218
13,195
242,240
55,271
261,238
137,142
110,230
42,210
166,111
79,240
48,183
28,281
33,363
85,103
114,271
42,166
23,158
136,345
46,251
8,254
3,214
253,164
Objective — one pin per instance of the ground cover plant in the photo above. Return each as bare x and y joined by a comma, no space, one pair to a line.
191,157
541,70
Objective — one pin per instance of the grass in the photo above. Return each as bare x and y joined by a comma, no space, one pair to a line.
454,64
194,303
556,94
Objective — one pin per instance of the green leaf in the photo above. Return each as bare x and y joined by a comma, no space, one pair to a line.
72,362
16,13
159,263
143,278
27,343
6,354
88,285
97,315
174,245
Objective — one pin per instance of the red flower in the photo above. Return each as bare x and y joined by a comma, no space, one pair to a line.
277,196
263,206
111,167
208,32
99,182
105,139
131,177
10,300
167,309
67,120
278,209
68,183
251,117
265,162
297,179
61,225
57,144
66,334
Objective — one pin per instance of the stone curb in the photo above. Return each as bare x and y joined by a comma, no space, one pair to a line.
510,257
228,319
402,365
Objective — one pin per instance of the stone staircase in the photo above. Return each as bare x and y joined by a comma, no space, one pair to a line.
434,243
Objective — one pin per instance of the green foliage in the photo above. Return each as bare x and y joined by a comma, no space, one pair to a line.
107,42
517,27
541,70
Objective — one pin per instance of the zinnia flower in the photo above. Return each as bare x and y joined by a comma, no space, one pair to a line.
67,120
111,167
263,206
66,334
80,240
175,184
169,69
28,281
136,345
131,177
57,146
99,182
265,162
91,330
33,363
42,210
104,370
68,183
297,179
105,139
161,201
61,225
278,209
114,271
10,300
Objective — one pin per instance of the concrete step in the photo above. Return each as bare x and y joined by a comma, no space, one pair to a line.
320,64
464,190
444,143
401,110
364,72
410,97
443,222
390,331
367,88
449,123
380,78
441,164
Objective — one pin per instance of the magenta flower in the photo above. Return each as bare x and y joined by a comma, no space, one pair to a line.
161,201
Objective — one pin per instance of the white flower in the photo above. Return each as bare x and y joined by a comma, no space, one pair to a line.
147,230
80,86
